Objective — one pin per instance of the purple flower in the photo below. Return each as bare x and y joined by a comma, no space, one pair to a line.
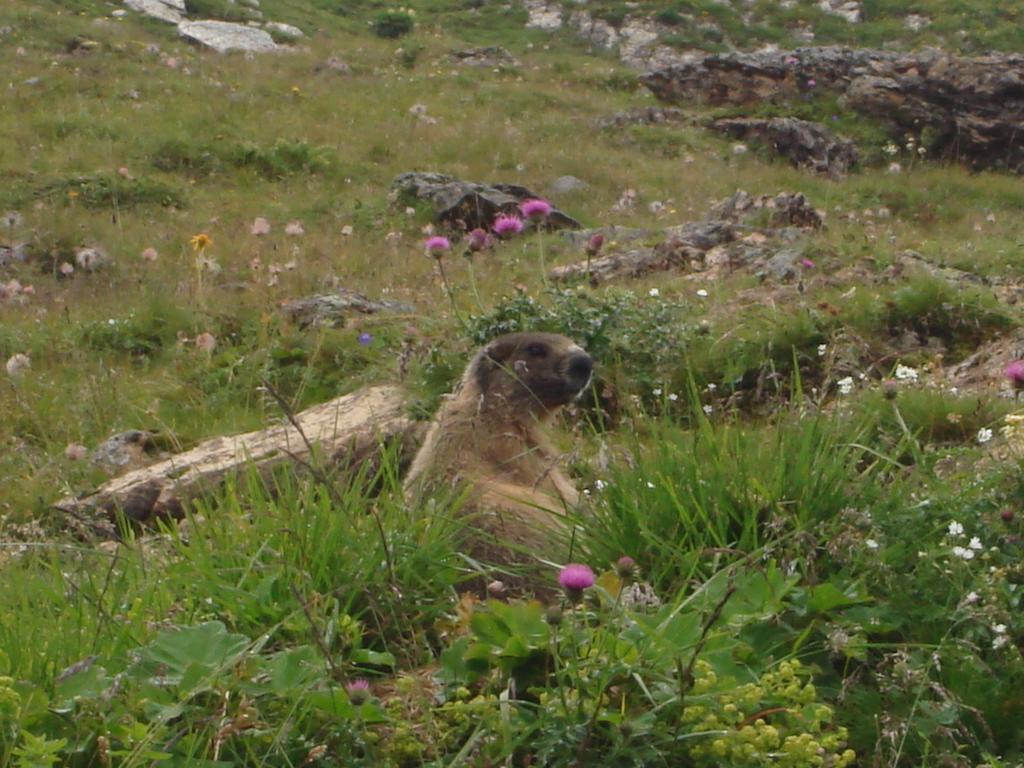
437,245
506,225
365,339
811,83
594,244
478,239
1015,373
625,566
358,691
535,209
574,578
792,60
806,263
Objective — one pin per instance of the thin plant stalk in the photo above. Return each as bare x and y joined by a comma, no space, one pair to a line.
472,282
450,292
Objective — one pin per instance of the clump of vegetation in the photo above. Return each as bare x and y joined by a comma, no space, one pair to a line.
393,24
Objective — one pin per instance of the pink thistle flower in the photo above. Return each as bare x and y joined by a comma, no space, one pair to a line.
506,225
437,245
574,578
535,209
294,228
806,263
206,342
76,451
811,83
150,254
625,566
478,240
358,691
260,226
1015,373
595,244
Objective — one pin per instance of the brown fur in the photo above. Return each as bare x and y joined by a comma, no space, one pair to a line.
490,435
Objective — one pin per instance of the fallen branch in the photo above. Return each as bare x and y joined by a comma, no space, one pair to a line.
345,431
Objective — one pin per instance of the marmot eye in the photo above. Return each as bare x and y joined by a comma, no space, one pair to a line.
536,350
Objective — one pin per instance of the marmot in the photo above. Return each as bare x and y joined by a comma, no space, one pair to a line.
489,435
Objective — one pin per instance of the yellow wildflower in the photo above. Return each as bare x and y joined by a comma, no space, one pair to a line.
201,242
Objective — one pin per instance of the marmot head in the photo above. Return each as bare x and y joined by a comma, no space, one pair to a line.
531,371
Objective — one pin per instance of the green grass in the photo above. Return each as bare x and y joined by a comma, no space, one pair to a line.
829,513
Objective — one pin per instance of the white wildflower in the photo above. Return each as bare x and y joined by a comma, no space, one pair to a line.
975,543
702,293
890,149
822,349
955,529
653,293
708,410
673,396
964,553
600,485
971,598
656,392
845,385
984,435
999,629
871,544
906,373
1000,641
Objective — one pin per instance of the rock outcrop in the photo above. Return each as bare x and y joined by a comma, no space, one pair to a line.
972,108
334,309
224,36
759,234
468,205
806,144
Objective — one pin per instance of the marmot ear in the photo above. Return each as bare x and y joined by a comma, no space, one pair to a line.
492,358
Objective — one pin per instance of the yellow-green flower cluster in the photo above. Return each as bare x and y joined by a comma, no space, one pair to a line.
775,721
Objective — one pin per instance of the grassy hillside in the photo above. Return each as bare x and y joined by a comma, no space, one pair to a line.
827,510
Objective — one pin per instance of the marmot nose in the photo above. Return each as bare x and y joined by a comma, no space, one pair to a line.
580,367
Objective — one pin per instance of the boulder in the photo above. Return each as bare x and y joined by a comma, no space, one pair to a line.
286,31
490,56
123,451
806,144
334,309
567,185
171,11
466,204
972,107
224,36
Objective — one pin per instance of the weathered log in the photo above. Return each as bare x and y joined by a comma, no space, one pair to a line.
345,431
973,107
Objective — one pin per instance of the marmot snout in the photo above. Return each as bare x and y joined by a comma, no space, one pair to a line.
490,435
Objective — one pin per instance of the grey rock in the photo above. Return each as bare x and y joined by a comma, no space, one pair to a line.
490,56
334,309
846,9
333,64
224,36
543,15
286,31
250,3
973,107
467,204
645,116
805,144
168,10
91,259
125,450
11,253
567,185
761,234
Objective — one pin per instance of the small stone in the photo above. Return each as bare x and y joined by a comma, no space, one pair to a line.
17,364
287,31
91,259
567,185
